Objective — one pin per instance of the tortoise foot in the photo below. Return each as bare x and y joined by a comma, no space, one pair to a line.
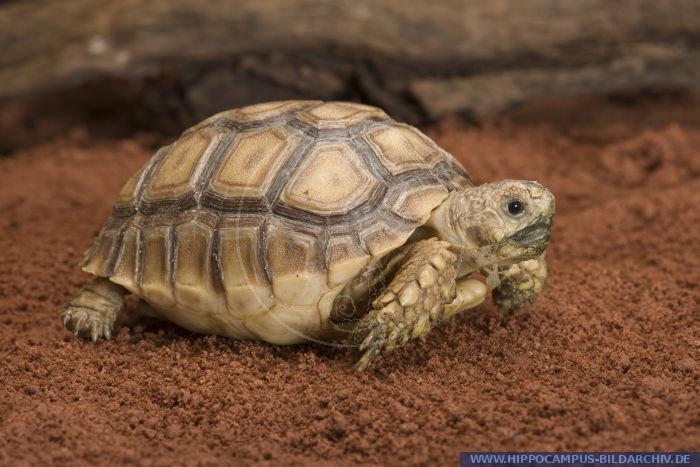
412,304
521,283
91,312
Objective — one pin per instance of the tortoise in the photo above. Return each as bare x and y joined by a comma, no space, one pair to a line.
293,221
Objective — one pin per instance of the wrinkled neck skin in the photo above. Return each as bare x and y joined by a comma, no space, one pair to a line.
485,238
443,221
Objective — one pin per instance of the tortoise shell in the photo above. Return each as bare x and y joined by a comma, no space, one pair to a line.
251,223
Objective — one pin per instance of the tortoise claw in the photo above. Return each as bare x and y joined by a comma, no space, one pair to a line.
366,358
91,312
78,325
94,330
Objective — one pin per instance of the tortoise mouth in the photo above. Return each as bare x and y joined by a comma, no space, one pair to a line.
535,234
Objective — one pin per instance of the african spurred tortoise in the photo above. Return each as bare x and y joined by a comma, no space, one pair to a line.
303,220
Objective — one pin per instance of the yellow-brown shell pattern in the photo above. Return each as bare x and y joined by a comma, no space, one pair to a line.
252,221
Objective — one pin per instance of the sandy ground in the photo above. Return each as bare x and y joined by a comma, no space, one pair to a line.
608,360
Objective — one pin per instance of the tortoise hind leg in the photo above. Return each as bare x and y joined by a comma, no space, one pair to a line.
92,311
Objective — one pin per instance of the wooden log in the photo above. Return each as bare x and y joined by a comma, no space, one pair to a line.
172,62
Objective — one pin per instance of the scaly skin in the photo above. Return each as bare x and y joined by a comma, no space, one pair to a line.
520,283
92,310
412,304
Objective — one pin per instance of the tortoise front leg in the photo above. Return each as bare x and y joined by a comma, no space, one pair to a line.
414,302
470,293
520,283
92,311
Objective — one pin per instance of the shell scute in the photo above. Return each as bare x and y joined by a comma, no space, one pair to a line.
346,259
251,163
154,282
268,110
401,148
329,115
125,271
292,263
193,284
128,194
176,175
99,257
416,203
239,256
331,180
381,238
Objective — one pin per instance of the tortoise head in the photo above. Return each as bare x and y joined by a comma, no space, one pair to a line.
497,223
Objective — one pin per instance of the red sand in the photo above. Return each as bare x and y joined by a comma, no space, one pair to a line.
607,361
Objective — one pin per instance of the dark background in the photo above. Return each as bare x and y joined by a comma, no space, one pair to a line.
127,65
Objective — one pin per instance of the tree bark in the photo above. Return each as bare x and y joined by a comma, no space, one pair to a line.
167,63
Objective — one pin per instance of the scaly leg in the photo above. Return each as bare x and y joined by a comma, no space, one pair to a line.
520,283
412,304
92,311
470,293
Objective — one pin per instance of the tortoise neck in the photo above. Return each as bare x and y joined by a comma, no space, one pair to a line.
442,220
445,221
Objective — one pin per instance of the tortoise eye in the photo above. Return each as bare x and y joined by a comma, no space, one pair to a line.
515,207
